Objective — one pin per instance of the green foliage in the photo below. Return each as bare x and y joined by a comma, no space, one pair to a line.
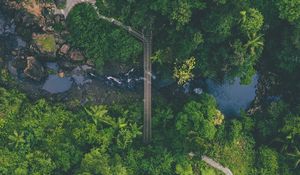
218,29
267,123
16,139
160,161
9,162
99,113
10,104
227,39
178,12
197,118
291,127
37,131
162,116
296,156
235,130
267,161
289,9
39,163
183,167
46,42
232,45
184,73
125,131
99,162
206,30
279,127
288,60
47,139
5,76
252,21
234,148
245,55
101,41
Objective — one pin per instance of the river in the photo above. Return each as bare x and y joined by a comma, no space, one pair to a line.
230,96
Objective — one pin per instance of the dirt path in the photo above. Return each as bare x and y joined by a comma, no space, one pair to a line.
70,4
216,165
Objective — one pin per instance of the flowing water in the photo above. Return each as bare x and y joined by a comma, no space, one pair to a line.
231,97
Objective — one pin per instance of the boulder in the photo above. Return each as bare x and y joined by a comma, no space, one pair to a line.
44,45
58,18
59,40
34,69
64,33
28,19
11,66
76,55
64,49
90,62
60,4
67,65
61,74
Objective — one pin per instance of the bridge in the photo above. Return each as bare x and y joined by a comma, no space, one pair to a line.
146,39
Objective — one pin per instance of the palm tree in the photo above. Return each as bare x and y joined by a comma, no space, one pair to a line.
99,114
254,42
295,155
17,138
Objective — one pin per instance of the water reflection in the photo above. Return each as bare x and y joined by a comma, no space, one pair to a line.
55,84
231,97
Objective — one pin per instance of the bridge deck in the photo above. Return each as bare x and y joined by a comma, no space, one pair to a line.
147,62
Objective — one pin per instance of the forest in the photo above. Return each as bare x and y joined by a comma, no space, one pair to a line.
85,132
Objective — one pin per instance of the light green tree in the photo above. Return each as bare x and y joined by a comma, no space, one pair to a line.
184,73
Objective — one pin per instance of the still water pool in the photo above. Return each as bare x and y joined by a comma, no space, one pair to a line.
232,96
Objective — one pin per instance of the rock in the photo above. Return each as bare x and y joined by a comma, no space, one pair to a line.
115,69
64,33
18,62
60,4
59,40
76,55
45,45
14,53
48,29
12,68
48,18
58,18
61,74
34,69
79,75
198,91
64,49
29,20
90,62
64,64
86,68
46,12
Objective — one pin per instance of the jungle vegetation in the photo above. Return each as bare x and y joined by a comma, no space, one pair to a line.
219,39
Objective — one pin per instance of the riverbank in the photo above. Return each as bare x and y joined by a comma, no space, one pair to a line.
41,68
59,72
